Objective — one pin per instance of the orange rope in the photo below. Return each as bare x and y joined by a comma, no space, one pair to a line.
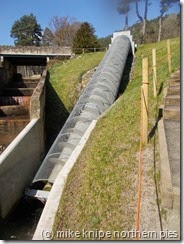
140,175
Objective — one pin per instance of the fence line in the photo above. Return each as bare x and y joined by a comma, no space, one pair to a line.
154,72
87,50
144,100
144,87
144,116
169,55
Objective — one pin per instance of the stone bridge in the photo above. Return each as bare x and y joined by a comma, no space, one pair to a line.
13,56
29,55
32,50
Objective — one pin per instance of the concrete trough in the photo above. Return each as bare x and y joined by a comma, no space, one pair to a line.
25,84
14,100
18,91
14,110
10,128
28,84
18,165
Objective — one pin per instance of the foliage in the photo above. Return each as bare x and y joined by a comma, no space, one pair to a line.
170,29
85,38
164,7
48,37
125,6
26,31
105,41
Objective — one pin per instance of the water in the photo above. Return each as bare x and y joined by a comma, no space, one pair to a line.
21,224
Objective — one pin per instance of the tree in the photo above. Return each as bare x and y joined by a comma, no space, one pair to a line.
26,31
48,37
143,19
164,7
85,38
137,10
170,29
124,8
63,30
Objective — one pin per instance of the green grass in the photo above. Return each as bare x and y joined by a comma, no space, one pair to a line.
65,77
101,190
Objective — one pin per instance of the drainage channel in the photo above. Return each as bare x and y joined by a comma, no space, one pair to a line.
22,222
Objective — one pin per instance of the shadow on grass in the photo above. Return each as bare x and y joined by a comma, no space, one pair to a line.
56,114
126,75
160,89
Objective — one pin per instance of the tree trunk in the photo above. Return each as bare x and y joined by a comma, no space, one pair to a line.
126,22
160,29
137,11
144,21
143,31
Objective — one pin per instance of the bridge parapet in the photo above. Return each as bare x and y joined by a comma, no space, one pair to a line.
32,50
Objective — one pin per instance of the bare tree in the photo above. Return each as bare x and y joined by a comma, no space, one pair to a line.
124,8
64,30
143,19
48,37
137,11
164,7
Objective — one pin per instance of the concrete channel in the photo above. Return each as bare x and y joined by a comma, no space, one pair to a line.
22,147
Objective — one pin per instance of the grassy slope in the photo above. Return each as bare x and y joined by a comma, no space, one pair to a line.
62,90
101,190
65,77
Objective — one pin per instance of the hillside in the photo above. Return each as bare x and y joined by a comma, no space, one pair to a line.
101,190
170,29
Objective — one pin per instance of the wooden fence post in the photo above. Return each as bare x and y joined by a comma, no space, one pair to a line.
169,55
154,72
144,100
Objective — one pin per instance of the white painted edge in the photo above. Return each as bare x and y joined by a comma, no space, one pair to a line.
44,229
17,139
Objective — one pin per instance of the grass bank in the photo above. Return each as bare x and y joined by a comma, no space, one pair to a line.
101,190
62,93
65,76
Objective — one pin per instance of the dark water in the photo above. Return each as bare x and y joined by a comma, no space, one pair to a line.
21,224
